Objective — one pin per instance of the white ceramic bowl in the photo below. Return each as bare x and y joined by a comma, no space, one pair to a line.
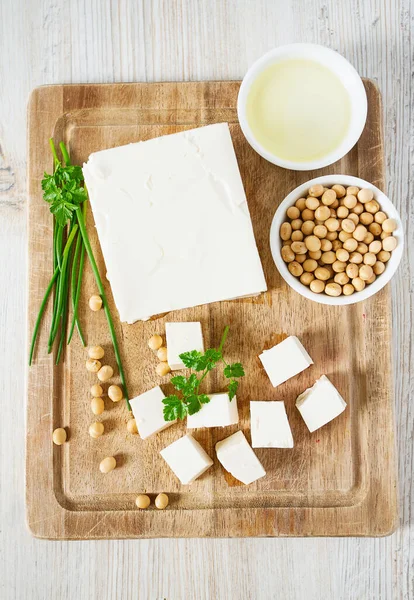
342,69
276,243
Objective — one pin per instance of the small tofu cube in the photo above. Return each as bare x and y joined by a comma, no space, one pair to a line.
285,360
219,412
182,337
320,404
186,458
237,457
148,409
270,426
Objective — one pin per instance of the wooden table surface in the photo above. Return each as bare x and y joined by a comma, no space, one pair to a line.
56,41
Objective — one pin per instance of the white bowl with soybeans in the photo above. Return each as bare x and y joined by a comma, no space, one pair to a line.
337,239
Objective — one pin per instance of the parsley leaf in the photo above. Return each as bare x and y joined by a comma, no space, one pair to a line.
62,190
231,371
200,362
234,370
174,408
203,398
169,413
191,359
193,404
211,358
232,389
62,210
179,382
187,386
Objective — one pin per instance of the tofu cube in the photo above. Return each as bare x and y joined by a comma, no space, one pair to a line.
182,337
147,409
269,425
238,458
219,412
320,404
186,458
285,360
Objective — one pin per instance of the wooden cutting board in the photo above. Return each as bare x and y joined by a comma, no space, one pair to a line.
338,481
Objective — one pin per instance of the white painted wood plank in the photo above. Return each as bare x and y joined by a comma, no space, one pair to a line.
128,40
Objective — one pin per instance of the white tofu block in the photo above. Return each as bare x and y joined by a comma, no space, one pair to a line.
320,404
182,337
219,412
171,216
186,458
285,360
147,409
238,458
269,425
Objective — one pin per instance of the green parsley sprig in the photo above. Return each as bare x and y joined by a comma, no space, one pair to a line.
191,400
67,197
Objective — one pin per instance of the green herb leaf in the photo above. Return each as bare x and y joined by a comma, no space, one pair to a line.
179,382
64,192
169,413
174,408
62,210
192,383
193,404
234,370
211,358
191,359
203,399
187,386
200,362
232,389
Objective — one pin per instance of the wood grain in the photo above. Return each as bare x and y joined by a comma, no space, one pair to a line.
334,482
142,40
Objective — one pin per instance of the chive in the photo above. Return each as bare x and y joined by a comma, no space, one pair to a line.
223,338
57,248
53,149
76,295
101,289
64,322
54,317
58,261
41,311
55,229
59,240
59,257
62,283
74,264
65,312
55,264
75,302
76,289
73,279
65,154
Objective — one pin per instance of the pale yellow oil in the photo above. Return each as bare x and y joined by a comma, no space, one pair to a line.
298,110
